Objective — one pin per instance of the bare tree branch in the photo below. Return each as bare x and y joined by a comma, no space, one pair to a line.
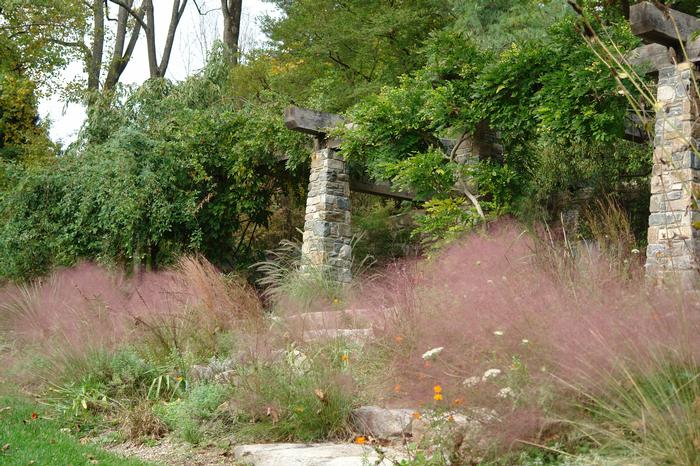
135,14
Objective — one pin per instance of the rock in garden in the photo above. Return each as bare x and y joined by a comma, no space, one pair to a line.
381,422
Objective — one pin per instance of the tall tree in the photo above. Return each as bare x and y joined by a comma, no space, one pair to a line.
231,10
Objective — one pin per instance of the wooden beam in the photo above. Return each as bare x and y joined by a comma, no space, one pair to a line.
666,27
692,48
361,185
311,121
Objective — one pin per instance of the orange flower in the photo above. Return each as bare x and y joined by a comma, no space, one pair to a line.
360,440
397,388
344,357
438,397
437,389
458,401
416,415
450,419
35,416
398,338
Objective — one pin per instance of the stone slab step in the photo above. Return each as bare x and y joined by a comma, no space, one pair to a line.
357,335
349,318
314,454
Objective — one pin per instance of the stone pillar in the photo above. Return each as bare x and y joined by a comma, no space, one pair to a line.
673,251
327,231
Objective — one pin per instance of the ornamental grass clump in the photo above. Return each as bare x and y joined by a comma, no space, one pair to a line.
496,326
76,312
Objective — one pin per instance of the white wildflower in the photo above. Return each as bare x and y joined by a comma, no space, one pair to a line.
525,341
471,381
431,353
490,282
506,392
491,373
635,251
498,333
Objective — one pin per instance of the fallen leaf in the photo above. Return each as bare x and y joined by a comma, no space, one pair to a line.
6,447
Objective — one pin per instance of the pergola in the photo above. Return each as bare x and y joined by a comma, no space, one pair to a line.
673,251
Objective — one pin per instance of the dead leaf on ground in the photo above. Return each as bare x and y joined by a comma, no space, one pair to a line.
6,447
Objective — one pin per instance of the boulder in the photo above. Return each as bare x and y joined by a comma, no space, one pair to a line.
381,422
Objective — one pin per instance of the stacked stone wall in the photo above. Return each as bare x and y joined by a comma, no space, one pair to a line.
673,240
327,230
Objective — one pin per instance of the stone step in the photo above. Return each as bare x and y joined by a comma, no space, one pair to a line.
357,335
348,318
313,454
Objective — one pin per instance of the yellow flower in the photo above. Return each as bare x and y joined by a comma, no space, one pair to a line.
344,357
416,415
450,419
179,378
437,389
438,397
299,409
360,440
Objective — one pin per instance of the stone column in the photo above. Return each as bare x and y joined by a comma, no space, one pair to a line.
673,250
327,232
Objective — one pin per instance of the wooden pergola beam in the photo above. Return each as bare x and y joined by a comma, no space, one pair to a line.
310,121
663,26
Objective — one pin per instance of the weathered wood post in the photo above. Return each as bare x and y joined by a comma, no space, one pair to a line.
327,230
673,251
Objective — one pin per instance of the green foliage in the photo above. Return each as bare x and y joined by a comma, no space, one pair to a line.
172,169
498,23
194,416
283,402
445,220
22,139
333,54
383,229
556,109
34,34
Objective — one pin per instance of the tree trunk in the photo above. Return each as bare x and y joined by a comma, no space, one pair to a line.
120,58
157,70
231,10
94,64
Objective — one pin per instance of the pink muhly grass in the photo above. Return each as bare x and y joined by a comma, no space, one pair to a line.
87,308
498,301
